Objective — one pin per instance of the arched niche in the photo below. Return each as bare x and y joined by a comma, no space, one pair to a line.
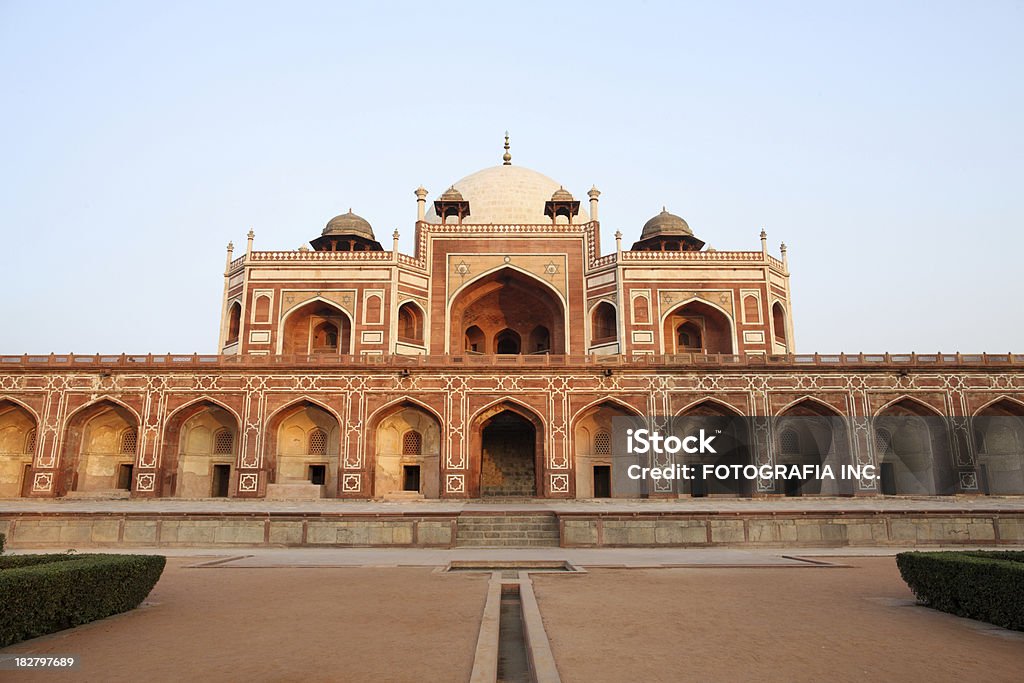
998,431
407,452
812,434
506,300
317,328
100,449
600,463
18,438
304,447
731,444
697,327
200,452
912,450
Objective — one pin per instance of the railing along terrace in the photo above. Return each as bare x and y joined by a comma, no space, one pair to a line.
636,361
607,259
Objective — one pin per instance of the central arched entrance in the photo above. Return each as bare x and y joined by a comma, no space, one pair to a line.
506,452
508,457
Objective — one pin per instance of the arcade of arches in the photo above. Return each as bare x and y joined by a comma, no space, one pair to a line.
199,449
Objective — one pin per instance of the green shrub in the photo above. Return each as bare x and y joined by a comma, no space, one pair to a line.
984,585
40,594
3,539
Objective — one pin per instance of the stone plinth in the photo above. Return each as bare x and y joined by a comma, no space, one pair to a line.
304,491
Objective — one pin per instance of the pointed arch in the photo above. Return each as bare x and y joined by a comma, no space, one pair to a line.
611,400
1000,399
717,333
506,297
391,406
21,404
909,400
80,445
729,410
595,458
98,400
918,457
19,428
388,428
812,432
286,445
293,338
412,326
823,405
186,448
524,444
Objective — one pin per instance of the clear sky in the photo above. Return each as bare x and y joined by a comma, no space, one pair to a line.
883,142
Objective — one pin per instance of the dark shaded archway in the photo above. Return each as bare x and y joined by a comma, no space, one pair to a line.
809,433
732,446
998,431
912,450
507,452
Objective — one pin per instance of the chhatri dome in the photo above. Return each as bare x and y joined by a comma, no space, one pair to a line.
506,194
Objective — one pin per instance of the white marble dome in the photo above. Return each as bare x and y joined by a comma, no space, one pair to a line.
506,195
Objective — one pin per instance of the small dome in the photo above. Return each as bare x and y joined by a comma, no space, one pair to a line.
452,195
665,224
349,224
562,195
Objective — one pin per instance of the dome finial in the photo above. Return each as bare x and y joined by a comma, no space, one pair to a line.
507,157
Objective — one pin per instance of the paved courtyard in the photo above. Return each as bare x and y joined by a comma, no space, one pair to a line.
305,614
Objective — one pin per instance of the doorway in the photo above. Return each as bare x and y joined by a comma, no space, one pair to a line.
507,462
602,481
124,477
26,481
318,474
221,477
411,478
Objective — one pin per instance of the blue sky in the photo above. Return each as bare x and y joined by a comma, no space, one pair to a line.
883,142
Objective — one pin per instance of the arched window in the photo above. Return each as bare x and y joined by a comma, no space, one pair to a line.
223,442
410,323
789,442
412,443
603,323
779,322
318,442
129,441
751,309
602,443
30,442
234,322
474,340
507,342
688,337
641,311
325,337
262,309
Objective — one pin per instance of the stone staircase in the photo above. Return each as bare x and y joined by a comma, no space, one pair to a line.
510,530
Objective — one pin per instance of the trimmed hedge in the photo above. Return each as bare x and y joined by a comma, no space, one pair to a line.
983,585
40,594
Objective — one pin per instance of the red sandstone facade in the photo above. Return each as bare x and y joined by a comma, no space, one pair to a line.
491,362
